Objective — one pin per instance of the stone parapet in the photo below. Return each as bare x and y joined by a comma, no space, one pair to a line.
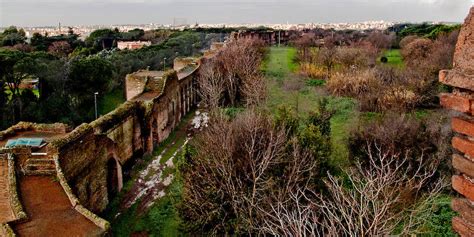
20,214
101,223
461,100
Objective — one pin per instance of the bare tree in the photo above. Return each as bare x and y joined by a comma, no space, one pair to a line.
241,60
380,40
371,207
211,85
254,90
239,169
60,48
327,56
370,202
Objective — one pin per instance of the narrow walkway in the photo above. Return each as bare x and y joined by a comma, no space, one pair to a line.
6,211
49,211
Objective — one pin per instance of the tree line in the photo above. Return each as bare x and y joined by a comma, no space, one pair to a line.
69,70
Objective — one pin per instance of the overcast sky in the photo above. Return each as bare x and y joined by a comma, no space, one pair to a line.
87,12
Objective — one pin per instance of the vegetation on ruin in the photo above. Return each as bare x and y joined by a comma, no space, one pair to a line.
299,135
70,71
364,135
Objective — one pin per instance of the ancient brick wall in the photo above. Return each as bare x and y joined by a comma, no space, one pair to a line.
93,155
461,100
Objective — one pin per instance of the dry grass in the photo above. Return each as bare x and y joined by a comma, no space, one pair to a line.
379,89
312,70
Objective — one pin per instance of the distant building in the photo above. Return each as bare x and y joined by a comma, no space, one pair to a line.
131,45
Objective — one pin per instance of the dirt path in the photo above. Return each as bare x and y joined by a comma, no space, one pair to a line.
49,211
6,212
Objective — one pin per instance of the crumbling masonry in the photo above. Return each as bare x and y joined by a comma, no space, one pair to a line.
58,189
461,100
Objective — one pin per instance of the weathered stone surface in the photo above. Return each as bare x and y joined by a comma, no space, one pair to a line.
463,145
130,131
462,75
464,53
463,126
464,207
464,165
462,227
455,102
463,186
457,78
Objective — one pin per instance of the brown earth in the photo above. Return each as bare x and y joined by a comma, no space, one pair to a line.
6,212
49,211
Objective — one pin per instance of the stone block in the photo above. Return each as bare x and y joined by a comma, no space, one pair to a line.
464,165
463,186
462,227
463,126
464,207
463,145
456,102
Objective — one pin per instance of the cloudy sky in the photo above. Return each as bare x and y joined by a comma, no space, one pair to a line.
76,12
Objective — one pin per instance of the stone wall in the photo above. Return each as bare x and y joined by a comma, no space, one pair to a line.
93,155
461,101
27,126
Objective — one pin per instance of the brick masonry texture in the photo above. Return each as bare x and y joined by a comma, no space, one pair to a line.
461,77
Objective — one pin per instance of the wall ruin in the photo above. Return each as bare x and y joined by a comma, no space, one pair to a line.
92,155
461,100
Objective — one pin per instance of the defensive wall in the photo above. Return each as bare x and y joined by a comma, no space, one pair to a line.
88,162
461,102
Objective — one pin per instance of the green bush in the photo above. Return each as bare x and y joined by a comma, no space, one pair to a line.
315,82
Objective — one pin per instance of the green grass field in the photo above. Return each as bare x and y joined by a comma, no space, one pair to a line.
394,57
279,68
162,219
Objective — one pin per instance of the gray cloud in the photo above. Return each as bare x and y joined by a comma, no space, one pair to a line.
75,12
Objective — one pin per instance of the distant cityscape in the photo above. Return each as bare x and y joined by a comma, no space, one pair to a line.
85,30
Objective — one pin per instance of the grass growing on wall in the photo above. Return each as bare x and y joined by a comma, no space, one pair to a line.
162,219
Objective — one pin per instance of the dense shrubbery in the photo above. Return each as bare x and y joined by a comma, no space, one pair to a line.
425,29
245,165
384,88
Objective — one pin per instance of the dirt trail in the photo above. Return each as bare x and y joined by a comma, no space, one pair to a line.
49,211
6,211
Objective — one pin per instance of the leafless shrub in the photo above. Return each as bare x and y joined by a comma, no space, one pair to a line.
327,57
60,48
254,90
370,202
353,58
429,56
380,40
408,39
405,134
211,85
381,88
239,169
235,72
374,205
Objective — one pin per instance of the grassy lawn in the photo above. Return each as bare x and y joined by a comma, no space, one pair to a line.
394,57
110,101
279,68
